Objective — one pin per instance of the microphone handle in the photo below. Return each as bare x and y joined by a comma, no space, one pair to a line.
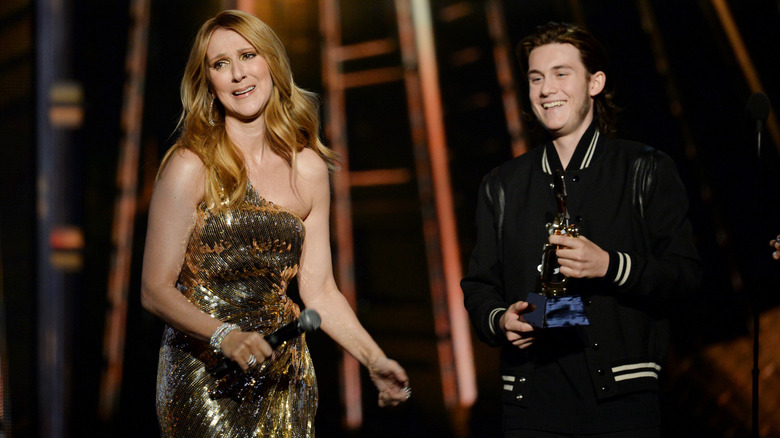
284,333
275,339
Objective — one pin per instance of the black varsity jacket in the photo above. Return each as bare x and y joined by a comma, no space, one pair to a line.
628,199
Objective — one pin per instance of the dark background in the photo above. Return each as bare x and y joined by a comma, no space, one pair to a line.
693,109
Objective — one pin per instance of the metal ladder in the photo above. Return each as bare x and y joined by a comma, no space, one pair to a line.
344,71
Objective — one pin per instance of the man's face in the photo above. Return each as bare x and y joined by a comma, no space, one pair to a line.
560,89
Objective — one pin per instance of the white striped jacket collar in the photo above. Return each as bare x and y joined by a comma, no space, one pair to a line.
547,167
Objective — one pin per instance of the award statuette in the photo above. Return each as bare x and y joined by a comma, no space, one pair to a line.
554,306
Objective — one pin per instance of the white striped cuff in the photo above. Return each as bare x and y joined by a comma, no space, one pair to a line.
624,268
492,316
636,371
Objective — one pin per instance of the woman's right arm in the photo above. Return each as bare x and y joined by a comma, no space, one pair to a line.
172,214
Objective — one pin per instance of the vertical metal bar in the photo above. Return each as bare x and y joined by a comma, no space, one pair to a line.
336,132
247,6
425,189
52,39
460,336
578,15
124,210
494,11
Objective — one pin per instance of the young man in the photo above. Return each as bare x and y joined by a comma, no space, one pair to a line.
633,260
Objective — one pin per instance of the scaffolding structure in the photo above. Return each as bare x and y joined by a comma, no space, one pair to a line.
418,71
124,211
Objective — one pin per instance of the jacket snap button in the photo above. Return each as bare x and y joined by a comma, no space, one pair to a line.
601,372
519,396
605,388
575,178
521,380
595,346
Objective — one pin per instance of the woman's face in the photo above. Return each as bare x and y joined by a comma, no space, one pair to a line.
239,76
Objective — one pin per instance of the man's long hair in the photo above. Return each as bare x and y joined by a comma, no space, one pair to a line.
593,56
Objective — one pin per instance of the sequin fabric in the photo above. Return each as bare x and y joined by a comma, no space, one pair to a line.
237,267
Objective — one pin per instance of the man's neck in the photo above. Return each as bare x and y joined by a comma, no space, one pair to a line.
565,151
567,144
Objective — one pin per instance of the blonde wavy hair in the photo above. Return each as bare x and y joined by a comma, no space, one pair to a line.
291,114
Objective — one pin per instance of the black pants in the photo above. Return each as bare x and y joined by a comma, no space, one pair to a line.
641,433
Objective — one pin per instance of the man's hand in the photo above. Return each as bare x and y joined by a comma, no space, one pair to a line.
579,257
775,243
517,331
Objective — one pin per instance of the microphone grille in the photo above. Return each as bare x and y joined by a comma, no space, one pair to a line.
309,320
757,106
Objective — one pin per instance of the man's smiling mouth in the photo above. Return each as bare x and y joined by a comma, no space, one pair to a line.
549,105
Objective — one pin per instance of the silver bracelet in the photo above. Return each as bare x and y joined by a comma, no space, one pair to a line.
219,335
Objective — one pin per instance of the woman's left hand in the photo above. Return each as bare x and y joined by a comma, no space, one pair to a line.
391,381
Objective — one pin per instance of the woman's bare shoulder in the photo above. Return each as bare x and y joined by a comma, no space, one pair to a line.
183,163
184,172
311,167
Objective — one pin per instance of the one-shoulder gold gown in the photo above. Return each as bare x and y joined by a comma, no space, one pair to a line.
237,268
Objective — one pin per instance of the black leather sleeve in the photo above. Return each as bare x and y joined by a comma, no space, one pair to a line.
483,284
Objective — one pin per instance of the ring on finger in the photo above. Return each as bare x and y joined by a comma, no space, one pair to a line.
252,361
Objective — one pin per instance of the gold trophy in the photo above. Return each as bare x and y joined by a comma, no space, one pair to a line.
554,306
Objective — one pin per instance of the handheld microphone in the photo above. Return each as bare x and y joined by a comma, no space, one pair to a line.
308,321
757,109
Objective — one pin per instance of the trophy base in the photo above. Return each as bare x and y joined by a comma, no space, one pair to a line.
563,311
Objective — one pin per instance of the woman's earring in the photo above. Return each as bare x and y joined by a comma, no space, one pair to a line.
211,111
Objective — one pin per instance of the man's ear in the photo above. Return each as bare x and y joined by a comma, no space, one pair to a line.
596,83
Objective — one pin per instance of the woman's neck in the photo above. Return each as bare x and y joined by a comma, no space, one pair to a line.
249,137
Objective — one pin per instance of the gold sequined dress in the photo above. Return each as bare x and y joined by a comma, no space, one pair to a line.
237,267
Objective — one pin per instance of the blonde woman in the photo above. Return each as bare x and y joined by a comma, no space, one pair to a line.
240,209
